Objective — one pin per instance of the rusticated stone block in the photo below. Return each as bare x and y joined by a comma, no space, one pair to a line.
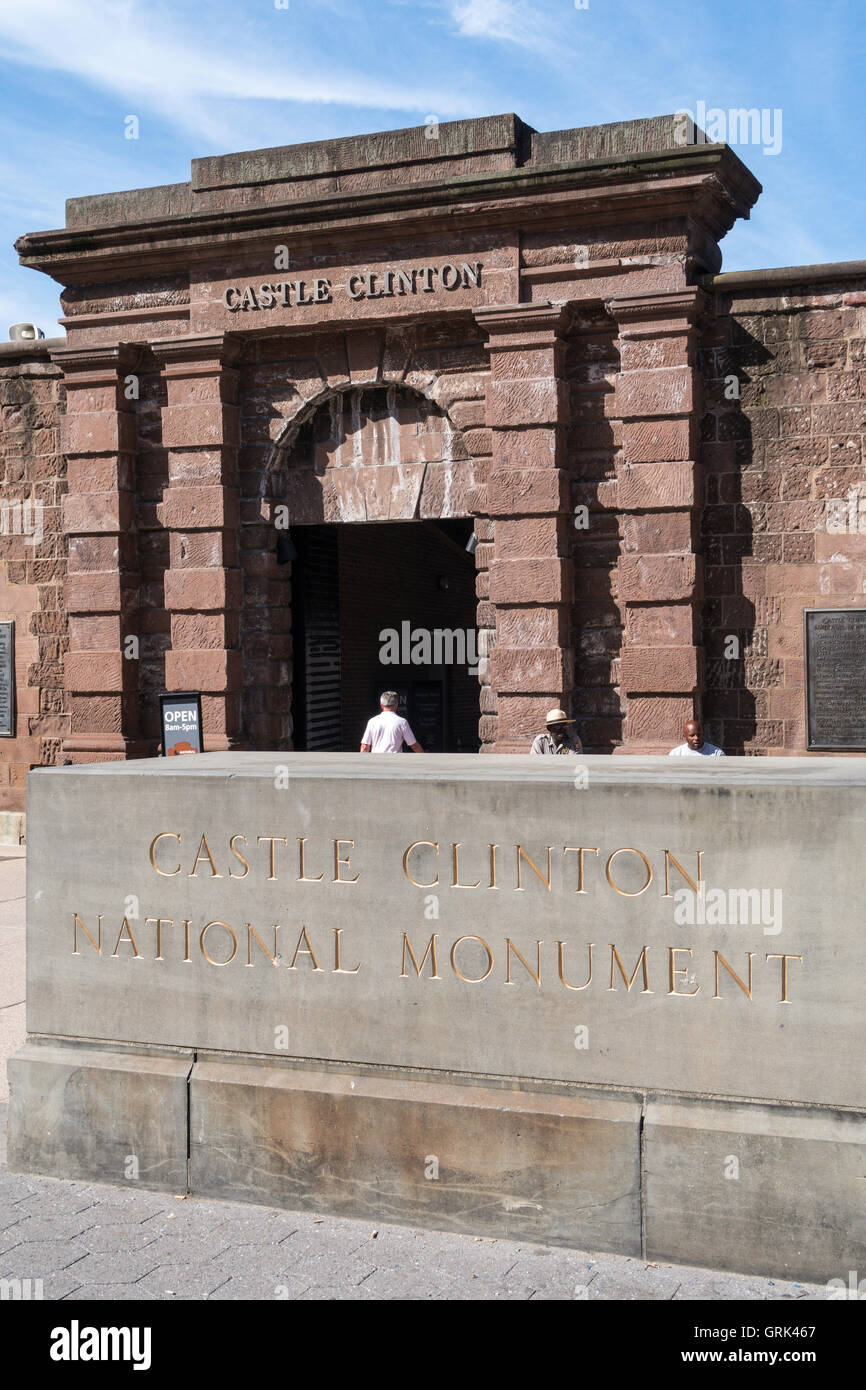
528,536
531,669
94,671
539,447
93,593
203,670
527,401
659,578
531,581
523,492
207,424
660,625
108,433
199,508
646,486
656,720
657,441
655,391
533,626
509,364
658,533
89,513
202,591
659,669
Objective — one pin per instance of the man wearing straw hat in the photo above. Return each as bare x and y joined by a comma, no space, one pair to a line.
558,736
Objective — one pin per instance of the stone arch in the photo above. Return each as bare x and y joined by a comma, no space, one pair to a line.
374,450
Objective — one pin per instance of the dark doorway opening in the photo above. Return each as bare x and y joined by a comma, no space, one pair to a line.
384,606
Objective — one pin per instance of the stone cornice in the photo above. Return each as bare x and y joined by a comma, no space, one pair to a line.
698,181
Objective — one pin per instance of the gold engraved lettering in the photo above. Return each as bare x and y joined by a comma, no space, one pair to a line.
669,859
471,980
159,925
344,863
125,926
304,951
338,969
251,932
493,883
784,959
521,854
641,960
720,960
271,840
674,970
238,855
204,931
536,974
97,944
580,852
628,850
163,834
204,846
186,956
434,844
302,865
455,870
561,952
431,952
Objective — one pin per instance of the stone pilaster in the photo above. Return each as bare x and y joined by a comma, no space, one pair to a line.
200,511
658,495
531,665
101,666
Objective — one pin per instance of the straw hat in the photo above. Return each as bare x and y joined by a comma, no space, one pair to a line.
557,716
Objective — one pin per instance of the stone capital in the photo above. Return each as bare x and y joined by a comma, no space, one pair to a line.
519,325
197,356
658,312
100,365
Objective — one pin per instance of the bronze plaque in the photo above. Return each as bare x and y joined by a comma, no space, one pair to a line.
7,680
836,679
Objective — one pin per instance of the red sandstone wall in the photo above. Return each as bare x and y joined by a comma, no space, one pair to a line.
783,528
32,575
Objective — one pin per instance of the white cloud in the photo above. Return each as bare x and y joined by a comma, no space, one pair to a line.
487,19
154,58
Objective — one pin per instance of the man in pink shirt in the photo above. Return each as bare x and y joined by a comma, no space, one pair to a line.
387,732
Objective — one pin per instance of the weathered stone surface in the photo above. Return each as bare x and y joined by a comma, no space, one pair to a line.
560,1166
99,1113
755,1188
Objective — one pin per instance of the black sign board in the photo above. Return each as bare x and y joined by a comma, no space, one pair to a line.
7,680
180,718
427,713
835,644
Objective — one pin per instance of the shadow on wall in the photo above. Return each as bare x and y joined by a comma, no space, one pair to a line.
734,619
592,366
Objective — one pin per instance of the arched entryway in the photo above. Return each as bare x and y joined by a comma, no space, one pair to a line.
373,483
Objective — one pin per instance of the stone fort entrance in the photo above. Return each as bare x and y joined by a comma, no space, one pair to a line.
296,385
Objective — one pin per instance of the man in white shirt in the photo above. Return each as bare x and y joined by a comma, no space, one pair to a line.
387,732
694,746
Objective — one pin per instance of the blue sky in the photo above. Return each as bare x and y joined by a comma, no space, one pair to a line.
210,76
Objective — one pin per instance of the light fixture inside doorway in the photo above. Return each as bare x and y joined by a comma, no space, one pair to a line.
472,543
